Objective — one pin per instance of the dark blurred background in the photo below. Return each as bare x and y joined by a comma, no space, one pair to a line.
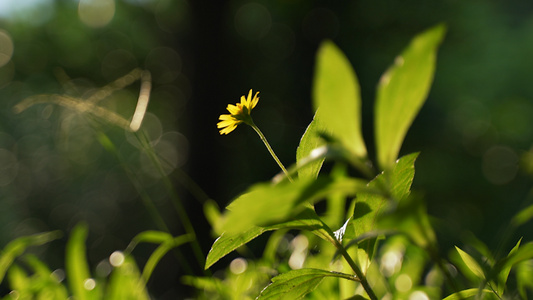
474,128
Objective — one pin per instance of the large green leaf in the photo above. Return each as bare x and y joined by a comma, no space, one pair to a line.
307,219
336,93
266,204
296,284
401,92
310,141
17,247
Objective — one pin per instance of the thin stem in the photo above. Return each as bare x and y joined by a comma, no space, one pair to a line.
357,271
263,138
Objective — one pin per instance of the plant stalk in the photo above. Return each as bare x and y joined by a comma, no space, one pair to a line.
358,272
263,138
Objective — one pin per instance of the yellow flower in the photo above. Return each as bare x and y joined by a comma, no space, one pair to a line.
239,113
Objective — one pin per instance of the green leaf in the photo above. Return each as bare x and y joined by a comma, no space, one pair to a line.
524,273
266,204
126,283
307,219
401,92
471,263
18,246
296,284
504,273
523,216
519,255
76,265
310,141
336,93
161,250
465,294
397,182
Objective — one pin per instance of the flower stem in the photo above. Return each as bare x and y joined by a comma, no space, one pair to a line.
263,138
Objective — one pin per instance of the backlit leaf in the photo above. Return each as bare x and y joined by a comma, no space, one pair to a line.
296,284
471,263
266,204
336,94
401,92
310,141
307,219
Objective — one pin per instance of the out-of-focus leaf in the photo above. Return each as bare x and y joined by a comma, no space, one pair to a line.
76,266
519,255
212,214
126,282
307,219
524,273
296,284
336,94
50,286
310,141
19,281
523,216
266,204
504,273
471,263
410,217
211,284
401,91
17,247
161,250
467,294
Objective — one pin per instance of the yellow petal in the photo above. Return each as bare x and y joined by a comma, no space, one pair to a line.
225,117
254,100
249,99
227,129
234,110
225,123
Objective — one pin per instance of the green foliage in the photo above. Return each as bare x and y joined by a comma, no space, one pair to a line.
124,282
297,283
387,246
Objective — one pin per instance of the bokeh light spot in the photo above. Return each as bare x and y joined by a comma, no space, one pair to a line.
6,47
96,13
89,284
500,164
116,259
403,283
164,64
253,21
238,266
391,262
418,295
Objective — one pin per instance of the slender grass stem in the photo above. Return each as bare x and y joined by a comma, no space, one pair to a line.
176,200
263,138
